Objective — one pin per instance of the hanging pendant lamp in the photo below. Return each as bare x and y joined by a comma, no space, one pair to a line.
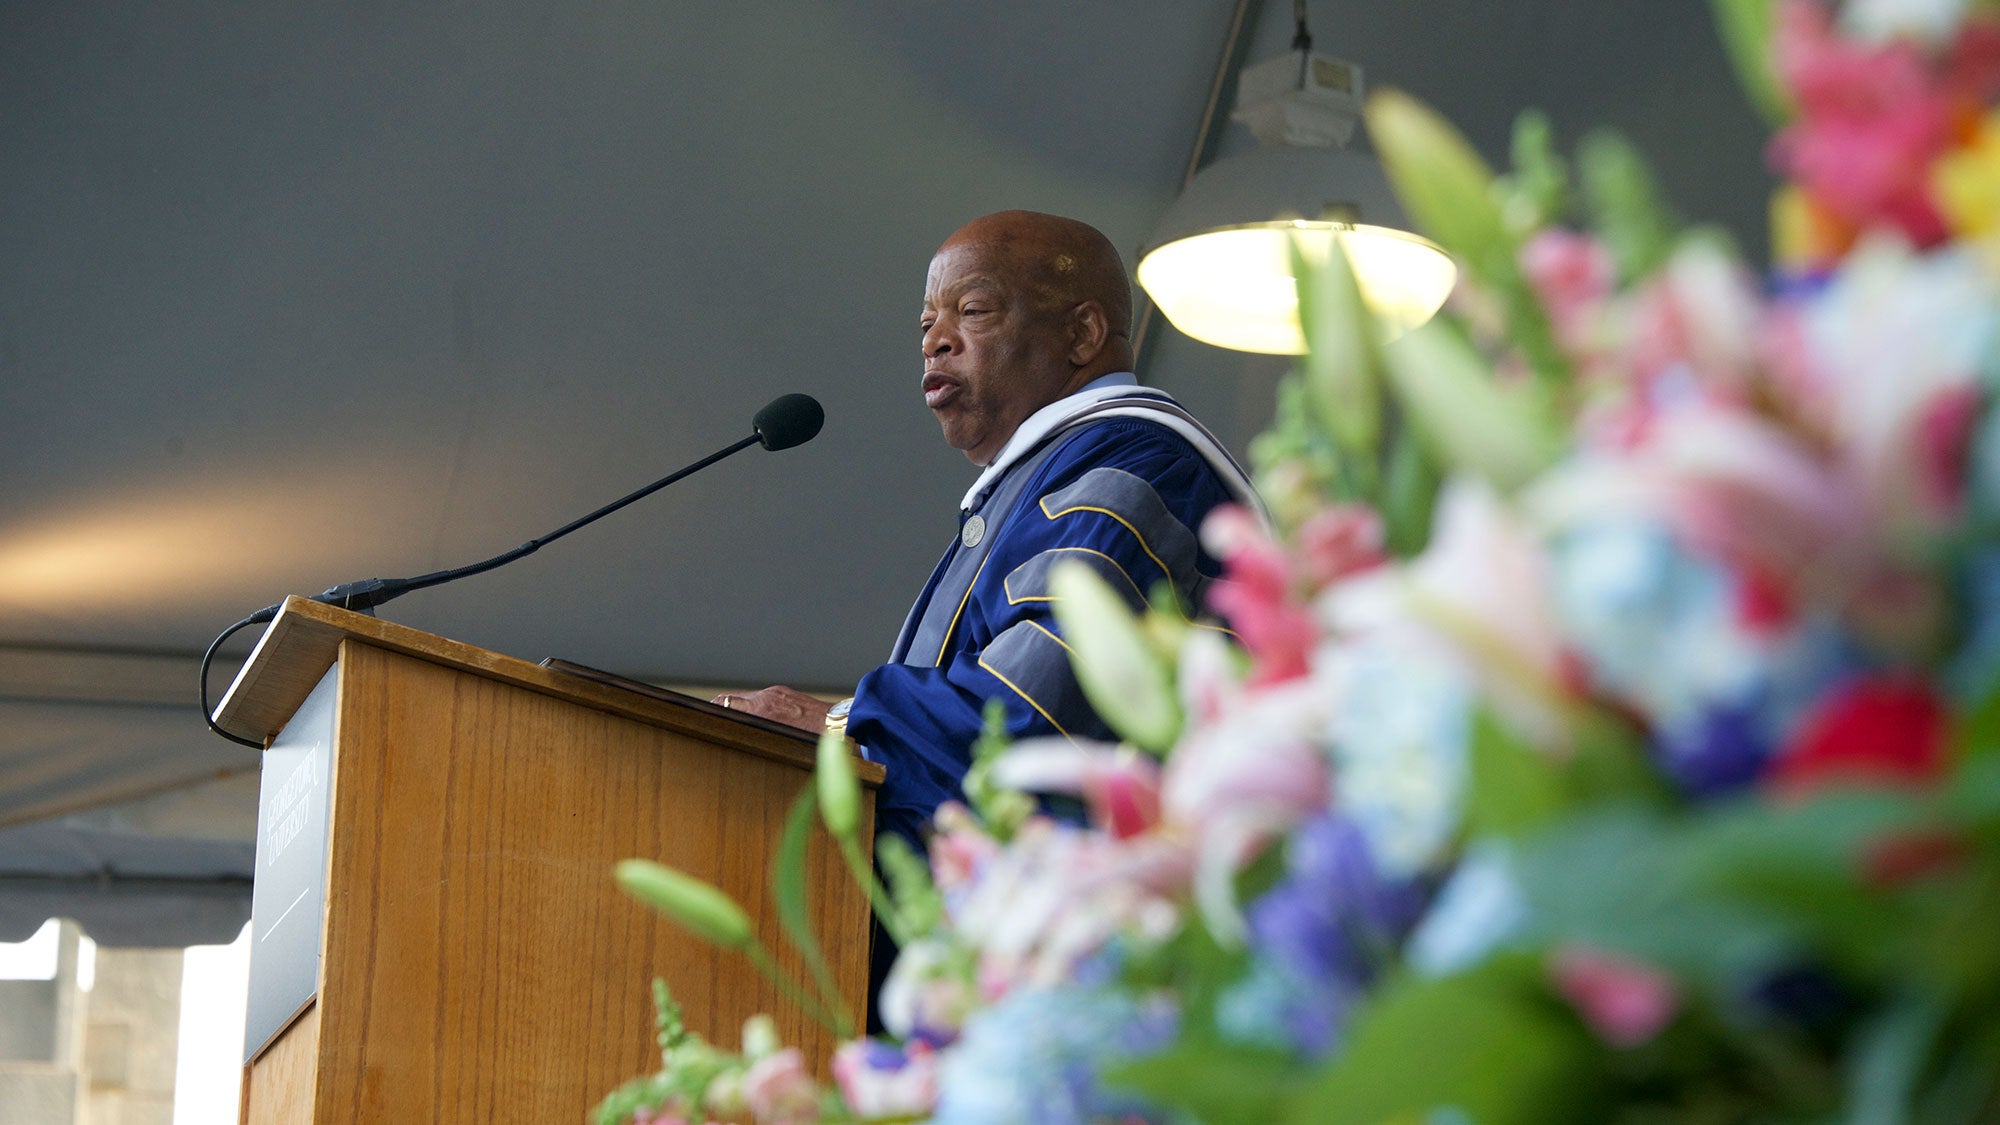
1219,264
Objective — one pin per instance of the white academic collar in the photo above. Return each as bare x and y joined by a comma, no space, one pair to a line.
1041,424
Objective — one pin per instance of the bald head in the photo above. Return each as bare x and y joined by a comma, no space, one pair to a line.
1020,310
1065,263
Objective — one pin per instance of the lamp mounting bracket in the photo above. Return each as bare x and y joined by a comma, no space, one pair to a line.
1307,99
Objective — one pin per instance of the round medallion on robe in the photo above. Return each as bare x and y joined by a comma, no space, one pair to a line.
973,531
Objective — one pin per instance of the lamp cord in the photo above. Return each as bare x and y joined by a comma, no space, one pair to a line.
1235,45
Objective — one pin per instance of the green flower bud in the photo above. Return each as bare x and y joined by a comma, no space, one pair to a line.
760,1037
1126,680
839,792
712,915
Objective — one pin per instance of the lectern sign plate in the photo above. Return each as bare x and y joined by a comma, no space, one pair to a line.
289,892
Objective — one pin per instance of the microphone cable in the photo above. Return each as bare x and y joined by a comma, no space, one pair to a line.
208,716
786,421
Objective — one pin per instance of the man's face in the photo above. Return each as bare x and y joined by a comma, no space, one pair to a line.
992,355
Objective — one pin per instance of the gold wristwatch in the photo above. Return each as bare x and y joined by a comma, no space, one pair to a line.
836,716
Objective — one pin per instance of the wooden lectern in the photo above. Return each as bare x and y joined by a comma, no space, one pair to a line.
436,935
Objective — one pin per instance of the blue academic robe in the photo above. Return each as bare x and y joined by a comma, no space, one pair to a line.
1124,495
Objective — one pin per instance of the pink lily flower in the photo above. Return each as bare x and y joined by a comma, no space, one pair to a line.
1479,590
1211,681
1120,785
1056,894
780,1090
1945,426
1339,542
1234,785
1255,595
1573,275
1930,319
959,848
1699,314
1625,1002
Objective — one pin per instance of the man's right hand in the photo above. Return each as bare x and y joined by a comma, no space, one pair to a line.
780,704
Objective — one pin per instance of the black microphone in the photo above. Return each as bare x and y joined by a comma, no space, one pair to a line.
787,421
790,420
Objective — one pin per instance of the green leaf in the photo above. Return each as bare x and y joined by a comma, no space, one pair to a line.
1612,879
1745,26
1972,796
1727,891
1343,363
1126,681
918,904
1953,946
1167,619
1408,495
1609,762
1002,810
1490,1043
1468,421
1976,734
1442,182
1626,205
1516,788
1297,465
1729,841
1194,966
1804,864
1807,865
1215,1083
699,907
669,1029
1537,191
1519,789
1453,197
1887,1061
788,893
1967,1082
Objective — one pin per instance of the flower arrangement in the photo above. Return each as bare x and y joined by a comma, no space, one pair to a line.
1611,729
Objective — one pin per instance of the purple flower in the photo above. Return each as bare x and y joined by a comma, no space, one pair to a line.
1318,937
1716,750
1333,914
879,1079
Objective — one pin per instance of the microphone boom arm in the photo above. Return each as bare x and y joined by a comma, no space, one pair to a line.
787,421
371,592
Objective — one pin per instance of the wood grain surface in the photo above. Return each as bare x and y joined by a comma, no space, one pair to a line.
479,963
301,643
278,1084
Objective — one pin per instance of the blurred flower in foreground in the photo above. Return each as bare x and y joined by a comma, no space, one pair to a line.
1034,1056
1612,729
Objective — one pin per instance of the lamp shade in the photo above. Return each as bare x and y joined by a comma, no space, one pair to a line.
1219,264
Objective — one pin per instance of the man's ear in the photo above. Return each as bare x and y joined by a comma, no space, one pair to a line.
1089,331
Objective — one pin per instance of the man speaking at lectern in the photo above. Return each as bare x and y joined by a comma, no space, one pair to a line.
1027,365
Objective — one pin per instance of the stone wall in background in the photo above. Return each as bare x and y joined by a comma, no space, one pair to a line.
97,1043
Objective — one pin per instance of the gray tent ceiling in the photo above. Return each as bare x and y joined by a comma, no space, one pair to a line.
295,294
